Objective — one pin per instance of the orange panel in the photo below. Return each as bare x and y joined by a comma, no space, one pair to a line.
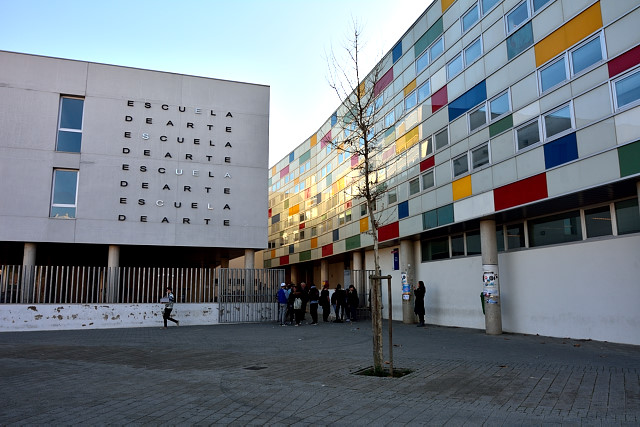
410,87
314,139
361,90
296,181
364,224
273,171
446,4
461,188
314,242
273,253
569,34
294,210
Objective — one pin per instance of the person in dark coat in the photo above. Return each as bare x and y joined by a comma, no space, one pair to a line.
305,299
290,300
314,299
352,303
325,302
341,299
297,305
419,293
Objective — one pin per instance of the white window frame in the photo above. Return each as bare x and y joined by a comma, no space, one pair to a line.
614,91
523,125
422,174
467,64
450,77
468,11
506,113
444,129
430,48
548,65
413,93
473,110
453,171
64,205
426,82
509,31
62,98
474,168
562,133
603,53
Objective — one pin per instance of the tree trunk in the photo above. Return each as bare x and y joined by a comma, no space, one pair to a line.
376,302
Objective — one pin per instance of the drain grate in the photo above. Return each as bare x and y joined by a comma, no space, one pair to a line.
254,368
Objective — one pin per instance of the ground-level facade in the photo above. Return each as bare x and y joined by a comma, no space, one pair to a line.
512,159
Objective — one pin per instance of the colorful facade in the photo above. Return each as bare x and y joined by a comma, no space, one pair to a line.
521,112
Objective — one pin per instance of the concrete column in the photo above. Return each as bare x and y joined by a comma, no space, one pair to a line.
294,274
638,191
324,272
358,278
406,266
490,278
356,260
28,273
249,258
113,264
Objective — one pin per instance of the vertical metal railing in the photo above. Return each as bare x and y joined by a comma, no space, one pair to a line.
248,295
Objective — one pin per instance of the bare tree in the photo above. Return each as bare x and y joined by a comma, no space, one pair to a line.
363,132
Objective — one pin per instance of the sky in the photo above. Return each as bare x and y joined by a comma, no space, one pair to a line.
283,44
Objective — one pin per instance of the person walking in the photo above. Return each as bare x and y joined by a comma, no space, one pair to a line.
314,298
168,301
352,304
282,304
325,302
418,309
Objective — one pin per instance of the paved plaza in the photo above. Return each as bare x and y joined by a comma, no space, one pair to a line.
258,374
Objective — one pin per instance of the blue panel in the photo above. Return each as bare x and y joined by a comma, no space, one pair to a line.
429,219
290,249
397,52
336,235
334,119
560,151
519,41
318,198
403,210
467,100
445,215
291,157
275,219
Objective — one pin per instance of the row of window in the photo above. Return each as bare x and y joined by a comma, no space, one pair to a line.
64,194
70,124
622,216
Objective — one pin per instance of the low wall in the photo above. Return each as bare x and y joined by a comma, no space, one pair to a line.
42,317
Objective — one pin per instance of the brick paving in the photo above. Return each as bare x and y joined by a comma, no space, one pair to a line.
255,374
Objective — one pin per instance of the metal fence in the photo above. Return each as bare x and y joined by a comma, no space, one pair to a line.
243,295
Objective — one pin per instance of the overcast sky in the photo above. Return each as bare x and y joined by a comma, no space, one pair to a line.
280,43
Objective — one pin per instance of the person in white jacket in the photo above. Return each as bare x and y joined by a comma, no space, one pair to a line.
168,300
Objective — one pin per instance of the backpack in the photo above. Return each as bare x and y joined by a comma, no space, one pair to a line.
297,304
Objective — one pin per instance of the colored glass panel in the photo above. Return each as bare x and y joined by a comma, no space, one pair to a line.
461,188
352,242
445,214
305,156
445,4
305,256
410,87
314,140
427,163
501,125
429,219
294,210
403,209
467,100
383,82
428,37
284,171
520,192
325,139
389,231
284,260
396,53
327,249
364,224
629,158
560,151
519,41
623,62
314,242
439,99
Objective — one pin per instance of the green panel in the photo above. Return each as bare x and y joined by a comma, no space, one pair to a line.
429,220
353,242
329,181
429,37
501,125
286,204
305,256
445,215
270,181
629,157
267,263
392,129
306,156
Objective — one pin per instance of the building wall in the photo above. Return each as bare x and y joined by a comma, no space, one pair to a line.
165,159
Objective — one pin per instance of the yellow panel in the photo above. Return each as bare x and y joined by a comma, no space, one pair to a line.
273,171
314,140
401,145
273,253
569,34
410,87
314,242
334,188
296,181
361,90
446,4
294,210
364,224
412,137
462,188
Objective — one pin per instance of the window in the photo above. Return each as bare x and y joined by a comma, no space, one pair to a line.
515,236
347,215
457,245
442,138
553,74
426,148
557,121
628,216
499,105
410,101
555,229
517,16
627,90
537,4
454,66
528,135
480,156
470,18
389,119
314,231
329,146
460,165
478,117
414,186
598,221
363,209
473,243
424,91
487,5
422,62
500,238
435,249
473,52
519,41
436,49
428,180
65,193
586,55
70,124
392,196
340,157
378,103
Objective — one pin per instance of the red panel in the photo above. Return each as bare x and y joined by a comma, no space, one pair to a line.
301,226
625,61
307,193
325,139
269,212
354,160
427,163
521,192
390,231
348,204
284,260
327,249
284,171
439,99
383,82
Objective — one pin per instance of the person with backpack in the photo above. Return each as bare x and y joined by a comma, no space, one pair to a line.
314,299
282,304
298,296
168,300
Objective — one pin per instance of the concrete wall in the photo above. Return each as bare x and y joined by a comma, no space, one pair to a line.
585,290
42,317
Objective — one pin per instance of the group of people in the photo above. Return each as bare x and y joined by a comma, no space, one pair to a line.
293,301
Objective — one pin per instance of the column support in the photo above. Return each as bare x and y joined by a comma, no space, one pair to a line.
490,278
